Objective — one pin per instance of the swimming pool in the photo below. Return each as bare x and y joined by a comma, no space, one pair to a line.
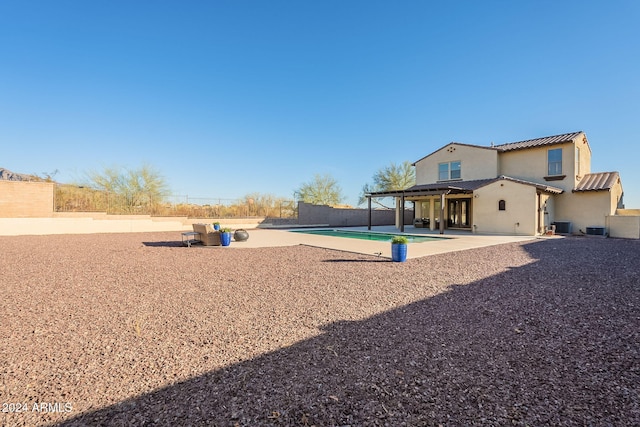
365,235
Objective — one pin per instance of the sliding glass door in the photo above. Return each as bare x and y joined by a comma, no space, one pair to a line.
459,211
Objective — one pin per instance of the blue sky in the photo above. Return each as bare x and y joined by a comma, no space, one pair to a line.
227,98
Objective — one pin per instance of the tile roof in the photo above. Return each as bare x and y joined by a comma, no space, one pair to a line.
543,187
451,185
460,187
538,142
597,181
520,145
435,188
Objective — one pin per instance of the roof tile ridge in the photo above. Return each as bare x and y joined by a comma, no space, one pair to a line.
536,139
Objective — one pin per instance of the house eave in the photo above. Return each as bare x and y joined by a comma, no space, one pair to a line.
408,193
590,190
458,187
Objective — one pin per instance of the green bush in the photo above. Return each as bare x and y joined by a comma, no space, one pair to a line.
399,240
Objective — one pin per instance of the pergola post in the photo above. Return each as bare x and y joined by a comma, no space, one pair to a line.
369,216
442,213
402,213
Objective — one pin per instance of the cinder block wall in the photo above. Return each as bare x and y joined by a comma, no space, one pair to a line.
309,214
25,199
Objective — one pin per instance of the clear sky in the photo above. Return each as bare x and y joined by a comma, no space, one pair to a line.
227,98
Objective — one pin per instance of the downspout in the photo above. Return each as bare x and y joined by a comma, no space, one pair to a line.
442,212
540,216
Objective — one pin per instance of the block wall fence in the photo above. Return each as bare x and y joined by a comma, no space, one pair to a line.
28,208
26,199
309,214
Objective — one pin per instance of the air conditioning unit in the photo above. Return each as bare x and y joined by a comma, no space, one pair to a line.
562,227
596,231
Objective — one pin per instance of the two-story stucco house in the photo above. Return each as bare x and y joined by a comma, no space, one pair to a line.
526,187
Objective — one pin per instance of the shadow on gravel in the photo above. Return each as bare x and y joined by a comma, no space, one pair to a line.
358,260
554,342
169,244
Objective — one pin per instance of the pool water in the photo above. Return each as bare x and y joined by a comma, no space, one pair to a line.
365,235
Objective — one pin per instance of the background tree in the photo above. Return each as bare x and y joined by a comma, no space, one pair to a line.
390,178
323,190
131,188
45,176
267,205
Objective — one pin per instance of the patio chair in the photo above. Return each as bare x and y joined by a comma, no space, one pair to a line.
208,235
421,223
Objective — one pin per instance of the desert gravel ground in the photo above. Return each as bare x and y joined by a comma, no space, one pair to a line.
134,329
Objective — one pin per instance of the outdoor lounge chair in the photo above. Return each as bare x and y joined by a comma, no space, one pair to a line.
421,223
208,236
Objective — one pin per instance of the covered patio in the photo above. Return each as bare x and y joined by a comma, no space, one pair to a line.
459,213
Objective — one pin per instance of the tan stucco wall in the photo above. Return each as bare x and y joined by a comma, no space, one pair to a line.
25,199
585,156
519,216
532,165
476,163
628,212
625,227
45,226
584,209
89,223
589,208
548,213
616,194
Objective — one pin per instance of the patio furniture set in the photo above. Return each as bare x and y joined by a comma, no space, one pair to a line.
206,235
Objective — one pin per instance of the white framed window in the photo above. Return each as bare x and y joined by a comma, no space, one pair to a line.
449,170
554,158
424,209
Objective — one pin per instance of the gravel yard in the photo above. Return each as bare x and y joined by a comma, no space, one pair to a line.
134,329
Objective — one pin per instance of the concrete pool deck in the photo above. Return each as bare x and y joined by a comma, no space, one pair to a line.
451,241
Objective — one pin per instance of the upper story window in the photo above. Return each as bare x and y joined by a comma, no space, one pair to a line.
555,161
450,170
